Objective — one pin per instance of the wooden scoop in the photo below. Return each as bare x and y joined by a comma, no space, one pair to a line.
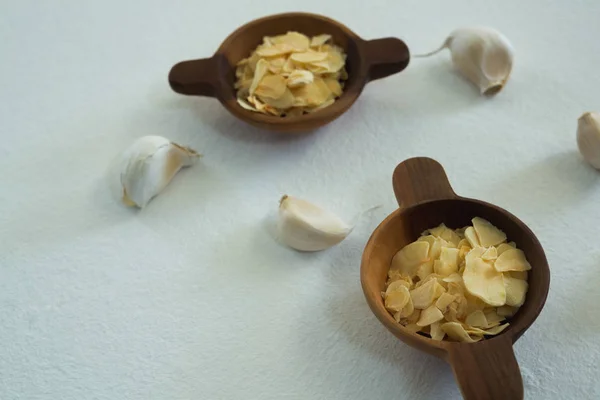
484,370
215,76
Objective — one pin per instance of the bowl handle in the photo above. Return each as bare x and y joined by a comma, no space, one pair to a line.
385,57
420,179
487,369
195,77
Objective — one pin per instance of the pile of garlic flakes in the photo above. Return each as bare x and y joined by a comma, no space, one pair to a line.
291,74
457,283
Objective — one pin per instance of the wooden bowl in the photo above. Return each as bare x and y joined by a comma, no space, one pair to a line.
484,370
214,77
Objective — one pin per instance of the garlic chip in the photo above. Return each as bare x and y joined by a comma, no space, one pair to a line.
476,319
395,285
515,291
285,101
493,318
455,331
436,332
410,257
425,295
453,278
319,40
395,275
490,254
487,233
409,312
444,301
491,331
483,281
297,41
430,315
435,245
502,248
512,260
299,77
474,303
261,69
443,232
424,270
395,300
472,237
442,268
312,70
462,284
272,86
506,311
309,57
449,258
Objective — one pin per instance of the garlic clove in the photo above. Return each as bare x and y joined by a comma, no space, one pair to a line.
148,166
481,54
306,227
588,138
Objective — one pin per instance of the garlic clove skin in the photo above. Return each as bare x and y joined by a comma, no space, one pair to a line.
306,227
588,138
481,54
148,166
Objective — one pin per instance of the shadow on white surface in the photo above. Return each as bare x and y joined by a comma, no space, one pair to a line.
211,112
68,203
551,184
428,87
582,305
346,310
422,374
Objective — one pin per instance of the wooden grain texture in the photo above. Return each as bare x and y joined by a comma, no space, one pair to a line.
483,370
215,76
487,370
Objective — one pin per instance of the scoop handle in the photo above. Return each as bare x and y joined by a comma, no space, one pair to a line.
385,57
487,370
195,77
420,179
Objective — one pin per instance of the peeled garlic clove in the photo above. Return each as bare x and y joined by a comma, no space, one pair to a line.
148,165
483,55
306,227
588,138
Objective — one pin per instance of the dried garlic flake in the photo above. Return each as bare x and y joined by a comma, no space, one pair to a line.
290,75
458,285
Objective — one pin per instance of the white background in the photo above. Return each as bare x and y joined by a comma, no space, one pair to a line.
191,298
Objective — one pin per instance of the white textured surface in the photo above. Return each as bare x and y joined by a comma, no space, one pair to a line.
191,298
